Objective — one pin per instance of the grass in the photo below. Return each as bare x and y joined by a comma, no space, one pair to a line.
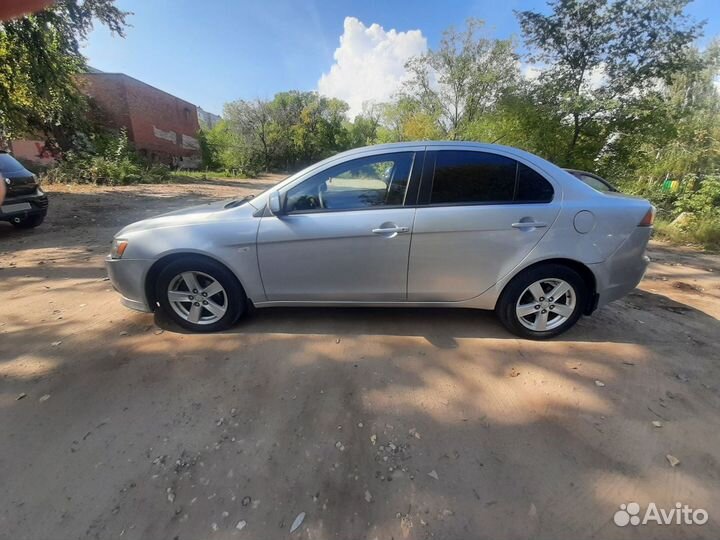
705,234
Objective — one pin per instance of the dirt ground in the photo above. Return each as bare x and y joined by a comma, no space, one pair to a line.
373,423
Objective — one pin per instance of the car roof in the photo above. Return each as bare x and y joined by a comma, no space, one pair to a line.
430,144
464,145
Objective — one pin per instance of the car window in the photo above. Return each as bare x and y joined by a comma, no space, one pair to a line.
472,177
9,164
481,177
360,183
531,186
594,183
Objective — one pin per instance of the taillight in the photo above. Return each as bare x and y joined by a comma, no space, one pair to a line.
648,219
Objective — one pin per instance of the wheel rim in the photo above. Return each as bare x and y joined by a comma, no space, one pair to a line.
197,297
546,304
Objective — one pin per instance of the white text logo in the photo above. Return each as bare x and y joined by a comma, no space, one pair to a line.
681,514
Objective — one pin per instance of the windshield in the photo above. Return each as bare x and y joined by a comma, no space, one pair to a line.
9,164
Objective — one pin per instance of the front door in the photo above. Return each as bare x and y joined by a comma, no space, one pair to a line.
343,236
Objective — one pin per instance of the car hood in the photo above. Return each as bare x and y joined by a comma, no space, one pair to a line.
199,209
202,213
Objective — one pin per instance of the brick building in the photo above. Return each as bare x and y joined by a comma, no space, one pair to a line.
162,127
207,119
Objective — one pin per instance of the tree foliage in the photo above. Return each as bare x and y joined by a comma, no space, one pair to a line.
293,129
39,56
602,58
462,80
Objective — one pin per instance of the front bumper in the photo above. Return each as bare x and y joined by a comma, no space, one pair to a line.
38,205
128,278
622,271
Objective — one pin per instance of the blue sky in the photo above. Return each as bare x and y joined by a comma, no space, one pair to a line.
216,51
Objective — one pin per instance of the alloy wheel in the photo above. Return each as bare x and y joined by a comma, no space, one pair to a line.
546,304
197,297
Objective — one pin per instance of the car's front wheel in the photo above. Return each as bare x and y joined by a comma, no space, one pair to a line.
543,301
200,294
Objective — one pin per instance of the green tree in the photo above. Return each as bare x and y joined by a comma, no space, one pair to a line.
39,57
601,58
463,79
364,129
250,121
406,120
673,135
294,129
286,108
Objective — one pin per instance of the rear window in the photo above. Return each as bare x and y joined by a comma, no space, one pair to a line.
9,164
595,183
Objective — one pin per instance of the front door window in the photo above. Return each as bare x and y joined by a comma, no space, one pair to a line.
368,182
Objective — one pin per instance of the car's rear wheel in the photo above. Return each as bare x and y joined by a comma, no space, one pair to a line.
200,294
29,222
543,301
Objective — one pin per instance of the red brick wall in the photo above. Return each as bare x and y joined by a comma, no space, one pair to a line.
107,91
143,110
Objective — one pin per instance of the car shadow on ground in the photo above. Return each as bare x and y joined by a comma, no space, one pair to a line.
443,326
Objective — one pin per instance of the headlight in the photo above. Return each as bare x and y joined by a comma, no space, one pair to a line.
118,248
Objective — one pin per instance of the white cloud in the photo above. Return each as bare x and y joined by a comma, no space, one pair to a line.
369,63
597,77
594,79
530,72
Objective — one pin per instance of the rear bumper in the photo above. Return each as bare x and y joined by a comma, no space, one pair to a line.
622,271
128,278
38,205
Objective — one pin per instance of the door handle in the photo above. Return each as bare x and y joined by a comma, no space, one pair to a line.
391,230
529,225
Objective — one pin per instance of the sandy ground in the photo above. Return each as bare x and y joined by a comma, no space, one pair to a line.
374,423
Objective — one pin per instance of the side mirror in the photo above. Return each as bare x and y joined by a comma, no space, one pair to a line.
275,204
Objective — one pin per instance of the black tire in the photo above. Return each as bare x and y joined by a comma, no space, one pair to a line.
506,306
29,222
236,299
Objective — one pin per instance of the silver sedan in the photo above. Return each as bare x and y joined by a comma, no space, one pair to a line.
409,224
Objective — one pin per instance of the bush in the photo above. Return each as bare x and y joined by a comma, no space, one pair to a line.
704,233
703,201
698,198
114,162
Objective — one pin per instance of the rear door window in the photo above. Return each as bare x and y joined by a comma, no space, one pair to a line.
472,177
469,177
531,186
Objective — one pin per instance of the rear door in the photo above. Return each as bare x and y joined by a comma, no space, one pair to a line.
480,213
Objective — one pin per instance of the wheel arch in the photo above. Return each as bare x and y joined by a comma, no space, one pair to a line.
582,269
154,271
